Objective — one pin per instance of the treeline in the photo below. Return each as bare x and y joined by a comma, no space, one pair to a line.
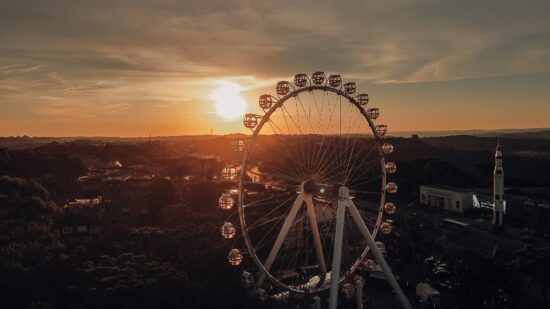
180,262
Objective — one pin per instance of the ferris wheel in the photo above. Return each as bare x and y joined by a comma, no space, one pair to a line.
313,195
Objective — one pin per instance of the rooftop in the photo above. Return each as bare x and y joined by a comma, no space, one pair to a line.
448,188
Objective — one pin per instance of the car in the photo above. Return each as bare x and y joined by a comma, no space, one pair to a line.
429,260
442,272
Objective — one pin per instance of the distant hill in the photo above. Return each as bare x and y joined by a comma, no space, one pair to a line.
513,143
542,133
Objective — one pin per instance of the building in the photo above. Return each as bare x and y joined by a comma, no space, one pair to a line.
85,202
428,295
117,173
76,225
94,207
446,198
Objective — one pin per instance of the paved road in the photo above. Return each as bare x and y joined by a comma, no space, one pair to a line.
479,237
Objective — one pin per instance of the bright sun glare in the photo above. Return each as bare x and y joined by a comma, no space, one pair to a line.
228,102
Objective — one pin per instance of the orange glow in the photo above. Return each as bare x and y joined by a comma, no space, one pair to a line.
228,102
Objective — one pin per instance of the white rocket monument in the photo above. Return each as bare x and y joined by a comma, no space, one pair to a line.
498,190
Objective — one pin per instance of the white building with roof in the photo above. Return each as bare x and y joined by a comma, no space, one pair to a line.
446,198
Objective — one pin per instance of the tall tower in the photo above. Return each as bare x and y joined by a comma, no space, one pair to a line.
498,190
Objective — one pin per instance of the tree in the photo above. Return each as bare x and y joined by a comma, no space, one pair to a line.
161,193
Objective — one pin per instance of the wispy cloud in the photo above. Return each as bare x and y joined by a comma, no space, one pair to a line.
398,41
123,52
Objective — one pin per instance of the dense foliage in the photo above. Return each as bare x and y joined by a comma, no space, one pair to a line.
159,245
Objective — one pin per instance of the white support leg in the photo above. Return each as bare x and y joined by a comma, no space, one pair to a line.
281,237
359,294
316,302
315,232
337,255
378,256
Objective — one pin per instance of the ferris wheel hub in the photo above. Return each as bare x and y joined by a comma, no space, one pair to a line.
316,188
343,192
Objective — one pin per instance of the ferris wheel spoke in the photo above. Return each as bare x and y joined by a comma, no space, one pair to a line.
281,167
331,116
336,152
333,171
260,221
347,134
318,149
367,182
304,149
284,118
325,161
321,160
367,192
357,181
352,131
274,125
332,149
283,109
365,166
365,159
262,201
301,155
343,154
348,168
270,240
362,179
332,165
360,165
306,114
319,113
281,173
320,130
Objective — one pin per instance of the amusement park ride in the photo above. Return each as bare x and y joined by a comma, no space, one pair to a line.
311,193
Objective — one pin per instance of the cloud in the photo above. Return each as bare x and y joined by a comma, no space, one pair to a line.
398,41
128,52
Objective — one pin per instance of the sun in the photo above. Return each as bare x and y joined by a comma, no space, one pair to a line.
228,102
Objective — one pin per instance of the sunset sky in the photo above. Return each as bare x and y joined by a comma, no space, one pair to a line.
130,68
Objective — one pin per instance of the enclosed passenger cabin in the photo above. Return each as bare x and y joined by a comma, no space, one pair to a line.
373,113
265,101
300,80
363,99
335,81
283,87
250,121
226,201
382,129
349,88
318,77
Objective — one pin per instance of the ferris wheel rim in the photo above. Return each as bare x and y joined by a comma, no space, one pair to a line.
256,131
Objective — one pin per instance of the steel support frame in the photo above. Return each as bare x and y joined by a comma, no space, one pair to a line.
287,225
346,202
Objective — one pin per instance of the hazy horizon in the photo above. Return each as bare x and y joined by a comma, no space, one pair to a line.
395,134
